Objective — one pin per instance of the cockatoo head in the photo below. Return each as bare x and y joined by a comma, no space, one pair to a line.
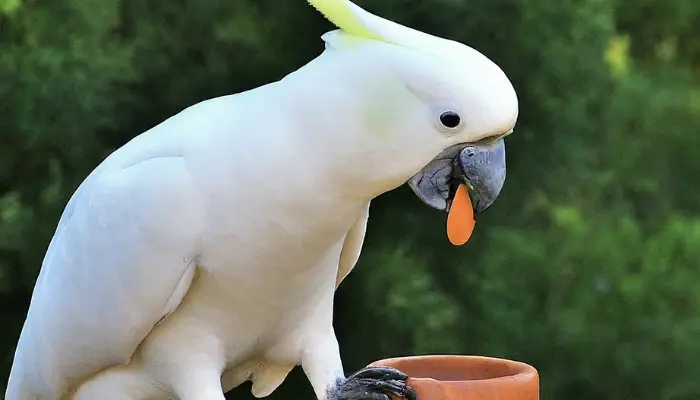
446,106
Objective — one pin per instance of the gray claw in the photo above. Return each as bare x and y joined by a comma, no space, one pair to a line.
374,383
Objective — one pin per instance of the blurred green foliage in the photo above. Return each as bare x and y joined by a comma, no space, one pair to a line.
588,265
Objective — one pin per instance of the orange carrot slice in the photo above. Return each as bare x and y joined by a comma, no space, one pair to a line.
460,220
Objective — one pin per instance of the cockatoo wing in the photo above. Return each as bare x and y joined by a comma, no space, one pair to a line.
352,246
122,258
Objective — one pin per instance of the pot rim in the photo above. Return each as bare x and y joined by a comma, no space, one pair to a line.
522,371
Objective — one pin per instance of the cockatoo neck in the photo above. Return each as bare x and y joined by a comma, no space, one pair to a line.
359,122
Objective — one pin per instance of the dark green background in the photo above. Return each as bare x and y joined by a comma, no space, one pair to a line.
588,265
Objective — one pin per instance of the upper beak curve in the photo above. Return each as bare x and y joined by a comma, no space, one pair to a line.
480,166
483,167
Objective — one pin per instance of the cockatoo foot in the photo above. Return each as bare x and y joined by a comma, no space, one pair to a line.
374,383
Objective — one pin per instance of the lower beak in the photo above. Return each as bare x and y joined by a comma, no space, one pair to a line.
481,167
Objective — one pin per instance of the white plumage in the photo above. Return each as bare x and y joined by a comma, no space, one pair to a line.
207,250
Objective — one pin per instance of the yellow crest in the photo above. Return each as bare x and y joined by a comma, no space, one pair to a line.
345,15
361,24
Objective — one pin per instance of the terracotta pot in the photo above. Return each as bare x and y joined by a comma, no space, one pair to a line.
451,377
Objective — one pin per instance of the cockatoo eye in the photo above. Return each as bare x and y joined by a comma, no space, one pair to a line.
450,119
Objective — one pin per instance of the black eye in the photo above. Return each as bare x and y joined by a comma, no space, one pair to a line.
450,119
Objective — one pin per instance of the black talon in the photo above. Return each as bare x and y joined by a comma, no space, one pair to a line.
379,373
394,387
374,383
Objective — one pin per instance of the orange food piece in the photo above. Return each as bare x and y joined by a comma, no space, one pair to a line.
460,220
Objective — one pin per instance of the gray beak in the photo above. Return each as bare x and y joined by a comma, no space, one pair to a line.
481,166
484,170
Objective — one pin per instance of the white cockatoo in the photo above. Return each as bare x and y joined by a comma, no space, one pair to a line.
207,250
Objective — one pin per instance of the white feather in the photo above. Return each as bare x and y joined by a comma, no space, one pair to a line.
206,251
